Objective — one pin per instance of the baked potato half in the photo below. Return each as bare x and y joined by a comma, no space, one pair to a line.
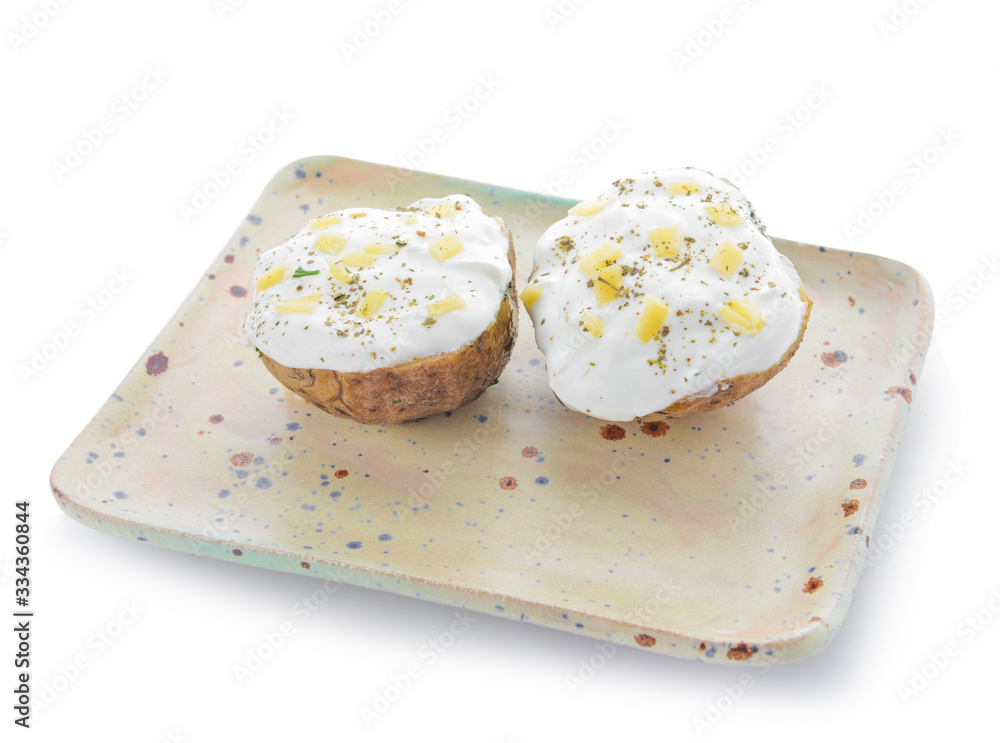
661,298
413,313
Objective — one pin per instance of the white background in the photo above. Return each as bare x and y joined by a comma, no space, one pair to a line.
876,92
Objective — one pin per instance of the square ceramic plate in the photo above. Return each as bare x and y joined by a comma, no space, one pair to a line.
732,537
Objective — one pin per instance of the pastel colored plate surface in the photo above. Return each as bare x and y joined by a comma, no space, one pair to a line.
732,537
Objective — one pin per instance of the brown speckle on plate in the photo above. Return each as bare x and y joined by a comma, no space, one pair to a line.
304,564
812,585
859,484
655,428
612,432
156,364
238,553
850,507
644,640
508,483
834,359
529,452
217,418
340,474
903,392
740,652
241,459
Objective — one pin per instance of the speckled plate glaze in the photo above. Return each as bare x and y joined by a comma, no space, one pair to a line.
736,536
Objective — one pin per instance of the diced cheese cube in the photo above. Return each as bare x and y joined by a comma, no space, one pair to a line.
272,276
318,222
446,305
726,259
340,272
742,314
381,248
446,246
371,303
358,260
531,295
442,210
593,324
330,244
683,188
607,283
587,208
654,314
723,214
667,241
306,303
600,258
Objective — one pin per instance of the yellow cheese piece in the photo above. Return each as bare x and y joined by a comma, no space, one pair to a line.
304,303
340,272
723,214
593,324
330,244
446,209
600,258
654,314
587,208
317,222
272,276
743,315
531,295
371,303
607,283
446,305
357,260
446,246
685,188
727,259
381,248
667,241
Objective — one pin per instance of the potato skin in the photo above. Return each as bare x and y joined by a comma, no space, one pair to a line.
418,388
738,386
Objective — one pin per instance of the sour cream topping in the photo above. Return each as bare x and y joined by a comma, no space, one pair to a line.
662,288
362,288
